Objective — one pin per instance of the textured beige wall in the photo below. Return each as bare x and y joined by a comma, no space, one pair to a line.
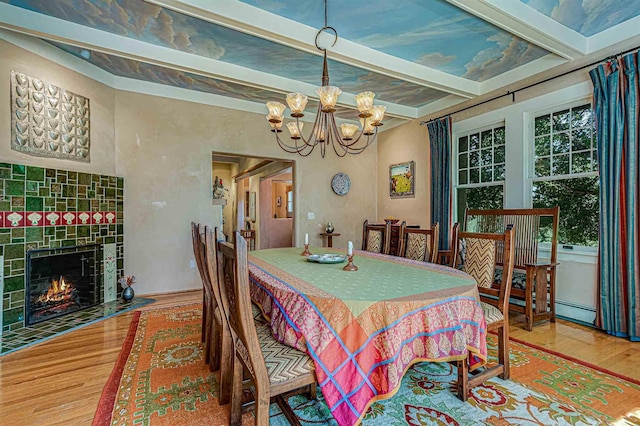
409,142
164,152
101,104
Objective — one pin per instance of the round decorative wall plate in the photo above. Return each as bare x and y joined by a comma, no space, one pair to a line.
341,184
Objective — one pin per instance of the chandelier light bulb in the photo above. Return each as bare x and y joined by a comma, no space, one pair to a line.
364,100
276,111
367,126
275,127
328,97
295,129
297,103
348,130
377,114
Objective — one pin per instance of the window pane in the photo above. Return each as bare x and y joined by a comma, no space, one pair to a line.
463,144
498,172
474,176
486,157
486,139
474,159
594,161
578,201
462,177
560,143
581,139
543,146
560,165
474,141
486,197
498,154
561,120
543,166
581,116
463,161
543,125
581,162
498,136
485,174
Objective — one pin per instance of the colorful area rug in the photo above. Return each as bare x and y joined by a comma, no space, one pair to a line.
161,378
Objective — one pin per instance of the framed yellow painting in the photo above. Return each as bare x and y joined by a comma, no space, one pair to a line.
402,180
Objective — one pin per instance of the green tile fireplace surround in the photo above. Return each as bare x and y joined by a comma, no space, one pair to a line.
48,208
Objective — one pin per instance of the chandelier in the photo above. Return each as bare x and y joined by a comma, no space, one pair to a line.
325,130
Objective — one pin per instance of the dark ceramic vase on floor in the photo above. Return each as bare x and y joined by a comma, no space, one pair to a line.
128,293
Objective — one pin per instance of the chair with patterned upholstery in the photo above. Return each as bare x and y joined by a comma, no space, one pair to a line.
275,370
482,251
211,322
376,238
419,244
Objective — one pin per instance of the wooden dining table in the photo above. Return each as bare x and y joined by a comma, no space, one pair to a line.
364,329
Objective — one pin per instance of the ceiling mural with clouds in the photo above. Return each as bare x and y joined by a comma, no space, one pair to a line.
418,56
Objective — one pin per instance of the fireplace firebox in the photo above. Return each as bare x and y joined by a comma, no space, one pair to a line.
61,280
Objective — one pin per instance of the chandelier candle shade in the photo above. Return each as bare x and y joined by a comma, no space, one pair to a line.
325,130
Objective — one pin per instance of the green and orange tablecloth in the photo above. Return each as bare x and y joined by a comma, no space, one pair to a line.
364,329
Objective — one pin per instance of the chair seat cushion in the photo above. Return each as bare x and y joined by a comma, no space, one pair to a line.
283,362
491,313
519,279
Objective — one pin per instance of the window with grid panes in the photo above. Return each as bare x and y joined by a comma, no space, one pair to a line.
566,173
480,169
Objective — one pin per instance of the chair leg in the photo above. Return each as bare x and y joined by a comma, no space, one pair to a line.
313,392
552,294
463,380
503,351
236,394
214,346
204,316
262,407
226,366
529,302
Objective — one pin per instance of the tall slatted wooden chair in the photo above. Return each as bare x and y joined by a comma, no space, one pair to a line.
479,261
275,369
211,322
376,238
446,257
534,282
250,236
419,244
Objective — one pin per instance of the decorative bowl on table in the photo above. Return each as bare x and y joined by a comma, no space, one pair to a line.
392,221
327,258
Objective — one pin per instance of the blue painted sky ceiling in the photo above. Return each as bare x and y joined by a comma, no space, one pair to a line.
587,17
404,42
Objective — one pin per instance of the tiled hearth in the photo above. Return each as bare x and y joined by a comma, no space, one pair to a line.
47,208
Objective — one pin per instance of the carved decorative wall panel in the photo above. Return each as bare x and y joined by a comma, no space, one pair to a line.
48,121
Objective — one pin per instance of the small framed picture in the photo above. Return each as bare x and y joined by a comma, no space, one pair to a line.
278,201
402,180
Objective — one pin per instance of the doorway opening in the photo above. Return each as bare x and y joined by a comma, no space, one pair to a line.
256,194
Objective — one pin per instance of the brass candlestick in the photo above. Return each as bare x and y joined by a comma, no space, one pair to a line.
350,266
306,251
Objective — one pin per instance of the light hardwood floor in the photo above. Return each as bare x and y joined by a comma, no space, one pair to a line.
59,382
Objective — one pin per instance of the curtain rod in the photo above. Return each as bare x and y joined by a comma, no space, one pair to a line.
513,93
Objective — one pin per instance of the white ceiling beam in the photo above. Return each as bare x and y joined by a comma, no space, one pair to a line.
525,22
42,26
614,35
522,72
254,21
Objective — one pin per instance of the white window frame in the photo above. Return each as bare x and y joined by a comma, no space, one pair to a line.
531,160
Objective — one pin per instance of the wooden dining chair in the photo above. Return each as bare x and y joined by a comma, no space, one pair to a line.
446,257
419,244
274,369
479,261
376,238
211,320
250,236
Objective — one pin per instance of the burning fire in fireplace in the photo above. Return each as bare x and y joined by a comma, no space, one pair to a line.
59,291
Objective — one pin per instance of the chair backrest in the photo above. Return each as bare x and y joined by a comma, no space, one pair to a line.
233,276
250,236
526,224
419,244
482,251
197,239
376,237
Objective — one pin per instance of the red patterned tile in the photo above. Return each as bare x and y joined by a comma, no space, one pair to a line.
111,217
69,218
53,218
98,218
34,219
84,218
14,219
